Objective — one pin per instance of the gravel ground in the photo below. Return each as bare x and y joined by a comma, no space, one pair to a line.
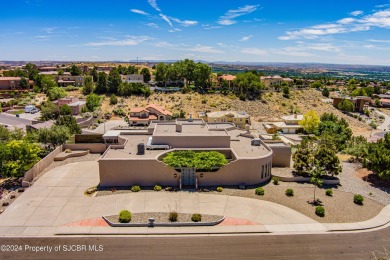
162,217
351,183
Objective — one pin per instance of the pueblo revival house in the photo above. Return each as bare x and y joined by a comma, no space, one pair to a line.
135,157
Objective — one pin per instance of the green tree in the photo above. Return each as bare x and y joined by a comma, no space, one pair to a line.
346,105
113,100
23,83
131,70
32,70
378,157
4,134
56,93
247,85
49,111
202,74
325,92
114,81
147,75
53,136
65,110
93,101
161,73
310,122
47,82
101,86
315,179
303,157
94,74
326,159
88,85
286,91
75,70
69,122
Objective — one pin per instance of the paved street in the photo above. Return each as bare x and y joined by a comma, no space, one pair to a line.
366,245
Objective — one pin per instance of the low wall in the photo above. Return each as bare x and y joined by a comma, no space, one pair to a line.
93,148
87,122
63,156
306,179
40,166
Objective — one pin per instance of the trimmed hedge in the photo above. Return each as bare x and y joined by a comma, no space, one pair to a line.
259,191
124,216
320,211
196,217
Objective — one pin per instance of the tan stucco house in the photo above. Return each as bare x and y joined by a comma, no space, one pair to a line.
145,115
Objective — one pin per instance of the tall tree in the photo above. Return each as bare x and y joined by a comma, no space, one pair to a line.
94,74
114,81
93,101
202,74
161,73
75,70
88,85
70,122
310,122
49,111
101,86
146,73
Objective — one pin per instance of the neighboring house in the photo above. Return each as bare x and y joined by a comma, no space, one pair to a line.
66,80
240,119
359,102
385,102
11,83
54,73
272,81
229,78
133,78
289,125
145,115
75,104
127,162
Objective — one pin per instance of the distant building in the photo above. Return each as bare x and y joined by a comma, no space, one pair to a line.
67,80
75,104
11,83
271,81
240,119
133,78
144,115
385,102
289,125
360,102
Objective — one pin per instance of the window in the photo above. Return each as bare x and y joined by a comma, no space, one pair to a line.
262,171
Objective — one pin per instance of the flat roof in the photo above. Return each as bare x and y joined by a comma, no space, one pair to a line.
187,129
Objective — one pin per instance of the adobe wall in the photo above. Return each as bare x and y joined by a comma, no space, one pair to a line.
143,172
193,141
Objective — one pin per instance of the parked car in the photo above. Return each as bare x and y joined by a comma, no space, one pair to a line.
35,110
28,108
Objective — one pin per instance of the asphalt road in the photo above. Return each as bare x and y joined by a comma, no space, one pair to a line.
366,245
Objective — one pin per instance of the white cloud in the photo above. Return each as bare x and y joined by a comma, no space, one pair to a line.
136,11
227,19
154,25
255,51
185,22
203,48
153,3
164,45
356,13
379,19
383,41
130,41
165,18
246,38
212,27
174,30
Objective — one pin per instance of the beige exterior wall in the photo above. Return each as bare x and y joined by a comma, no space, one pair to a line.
144,172
281,156
93,148
239,172
193,141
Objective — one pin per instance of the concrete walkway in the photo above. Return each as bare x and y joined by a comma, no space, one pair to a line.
57,200
386,124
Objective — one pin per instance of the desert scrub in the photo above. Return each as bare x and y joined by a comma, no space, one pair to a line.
259,191
135,188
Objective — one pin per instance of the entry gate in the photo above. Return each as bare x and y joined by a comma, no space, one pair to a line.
188,176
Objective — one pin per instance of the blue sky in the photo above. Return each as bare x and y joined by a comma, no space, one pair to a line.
342,31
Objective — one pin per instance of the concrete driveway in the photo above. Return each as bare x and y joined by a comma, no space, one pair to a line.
57,199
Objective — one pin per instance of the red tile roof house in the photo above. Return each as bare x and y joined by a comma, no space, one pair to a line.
144,115
75,104
11,83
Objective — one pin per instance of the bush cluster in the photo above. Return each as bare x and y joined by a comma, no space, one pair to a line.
275,180
124,216
329,192
358,199
259,191
289,192
196,217
135,188
320,211
173,216
157,188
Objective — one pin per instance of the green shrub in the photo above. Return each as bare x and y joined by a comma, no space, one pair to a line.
124,216
289,192
259,191
119,112
204,101
219,189
275,180
173,216
157,188
358,199
135,188
196,217
113,100
320,211
329,192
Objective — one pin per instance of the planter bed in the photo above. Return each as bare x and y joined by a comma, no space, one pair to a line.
161,220
63,156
